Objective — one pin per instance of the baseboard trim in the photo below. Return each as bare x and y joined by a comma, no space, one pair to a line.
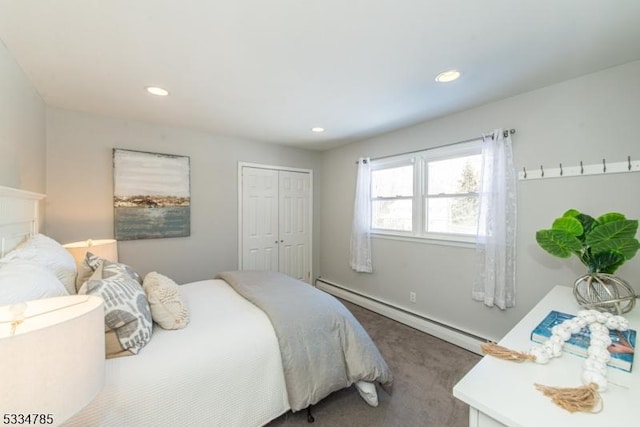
447,333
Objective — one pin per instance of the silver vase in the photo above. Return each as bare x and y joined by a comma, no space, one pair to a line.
604,292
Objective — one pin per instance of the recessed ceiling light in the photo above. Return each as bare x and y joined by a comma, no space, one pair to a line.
154,90
448,76
317,129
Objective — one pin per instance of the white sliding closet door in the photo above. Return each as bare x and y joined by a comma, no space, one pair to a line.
276,221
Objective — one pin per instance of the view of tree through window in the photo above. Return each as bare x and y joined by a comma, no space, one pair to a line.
452,199
464,211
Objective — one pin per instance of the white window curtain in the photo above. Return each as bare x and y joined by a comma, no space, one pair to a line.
496,240
361,229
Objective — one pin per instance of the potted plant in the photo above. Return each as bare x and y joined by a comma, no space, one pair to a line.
602,244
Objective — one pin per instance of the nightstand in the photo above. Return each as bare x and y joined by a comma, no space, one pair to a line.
502,393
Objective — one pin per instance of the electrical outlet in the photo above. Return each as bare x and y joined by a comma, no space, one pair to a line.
412,297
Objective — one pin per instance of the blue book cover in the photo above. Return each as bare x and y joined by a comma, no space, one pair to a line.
622,346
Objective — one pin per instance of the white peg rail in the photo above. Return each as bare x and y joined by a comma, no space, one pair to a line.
526,174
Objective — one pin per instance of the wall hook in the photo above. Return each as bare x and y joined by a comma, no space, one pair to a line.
524,171
541,171
560,169
629,161
581,168
604,166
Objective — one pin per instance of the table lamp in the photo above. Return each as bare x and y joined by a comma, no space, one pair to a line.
104,248
52,357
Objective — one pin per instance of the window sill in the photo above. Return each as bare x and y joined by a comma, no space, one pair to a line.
470,243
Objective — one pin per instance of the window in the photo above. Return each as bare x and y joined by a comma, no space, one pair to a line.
432,194
451,202
392,198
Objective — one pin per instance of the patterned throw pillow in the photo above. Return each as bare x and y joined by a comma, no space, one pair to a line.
128,323
86,269
110,269
167,307
89,265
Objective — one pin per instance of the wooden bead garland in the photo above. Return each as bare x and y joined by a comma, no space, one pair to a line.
594,374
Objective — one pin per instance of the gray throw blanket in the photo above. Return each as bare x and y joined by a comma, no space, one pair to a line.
323,347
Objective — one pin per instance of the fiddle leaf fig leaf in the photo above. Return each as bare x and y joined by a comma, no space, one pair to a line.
588,224
610,217
615,236
571,213
606,262
629,248
559,243
568,224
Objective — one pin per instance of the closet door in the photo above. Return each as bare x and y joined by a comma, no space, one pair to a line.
275,229
294,224
259,219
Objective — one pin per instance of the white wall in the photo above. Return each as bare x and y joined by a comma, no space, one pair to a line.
80,189
22,129
588,118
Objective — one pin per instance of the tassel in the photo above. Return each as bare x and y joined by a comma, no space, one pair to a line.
574,399
500,352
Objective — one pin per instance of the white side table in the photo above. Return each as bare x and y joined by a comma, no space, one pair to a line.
501,392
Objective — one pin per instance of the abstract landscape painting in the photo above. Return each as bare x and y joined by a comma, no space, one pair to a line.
151,196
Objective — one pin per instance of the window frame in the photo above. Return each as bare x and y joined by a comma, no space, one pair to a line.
420,161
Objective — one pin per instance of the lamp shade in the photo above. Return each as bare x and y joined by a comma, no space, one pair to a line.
52,356
104,248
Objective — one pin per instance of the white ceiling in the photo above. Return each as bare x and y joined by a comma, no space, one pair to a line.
270,70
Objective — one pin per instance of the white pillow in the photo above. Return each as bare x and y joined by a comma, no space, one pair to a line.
24,280
50,254
368,392
167,306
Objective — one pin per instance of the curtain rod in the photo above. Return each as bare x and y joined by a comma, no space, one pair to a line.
505,134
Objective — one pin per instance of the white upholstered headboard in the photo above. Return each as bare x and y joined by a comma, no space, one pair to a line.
19,216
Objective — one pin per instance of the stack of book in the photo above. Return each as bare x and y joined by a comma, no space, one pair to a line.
622,343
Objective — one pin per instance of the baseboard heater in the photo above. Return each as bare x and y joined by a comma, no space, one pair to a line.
443,331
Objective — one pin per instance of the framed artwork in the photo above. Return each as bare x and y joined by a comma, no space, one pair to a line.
151,195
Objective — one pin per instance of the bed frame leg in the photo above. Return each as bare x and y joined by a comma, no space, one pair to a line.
310,418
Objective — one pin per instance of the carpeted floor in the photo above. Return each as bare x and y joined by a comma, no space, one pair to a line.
425,370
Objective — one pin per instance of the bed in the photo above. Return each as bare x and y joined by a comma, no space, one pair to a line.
232,365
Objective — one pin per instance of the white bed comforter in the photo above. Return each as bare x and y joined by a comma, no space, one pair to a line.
223,369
